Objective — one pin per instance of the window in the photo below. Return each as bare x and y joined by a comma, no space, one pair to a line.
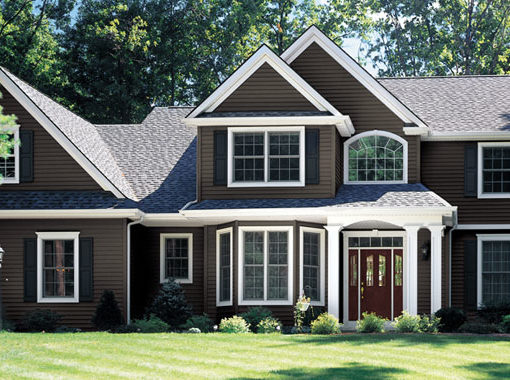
375,157
176,257
224,267
370,270
382,270
266,156
312,264
494,170
493,269
9,165
57,267
266,265
398,270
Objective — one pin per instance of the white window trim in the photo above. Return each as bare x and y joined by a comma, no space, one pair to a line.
374,133
162,246
480,239
290,263
41,236
322,262
481,194
15,180
230,231
266,182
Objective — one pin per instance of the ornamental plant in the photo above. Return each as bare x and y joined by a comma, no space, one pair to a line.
302,305
451,319
108,315
407,323
170,305
201,322
269,325
505,324
234,325
370,323
326,324
255,315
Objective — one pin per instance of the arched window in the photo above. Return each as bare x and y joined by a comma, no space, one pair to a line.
375,157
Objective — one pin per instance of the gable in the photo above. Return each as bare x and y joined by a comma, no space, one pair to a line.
265,90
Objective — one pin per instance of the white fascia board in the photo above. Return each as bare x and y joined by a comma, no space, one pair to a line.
269,120
416,131
467,136
82,214
58,135
483,227
313,34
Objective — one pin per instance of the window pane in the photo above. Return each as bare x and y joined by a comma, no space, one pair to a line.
58,268
496,169
254,265
311,265
398,270
248,157
176,258
495,271
224,280
284,156
354,270
277,276
382,270
370,270
8,163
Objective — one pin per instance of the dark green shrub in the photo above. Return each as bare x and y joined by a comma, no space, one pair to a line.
234,325
108,315
326,324
126,329
201,322
152,324
451,318
40,320
505,324
312,314
370,323
255,315
170,305
66,329
493,313
269,325
8,325
407,323
479,328
429,324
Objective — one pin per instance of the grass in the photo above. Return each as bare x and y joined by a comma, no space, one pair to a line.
249,356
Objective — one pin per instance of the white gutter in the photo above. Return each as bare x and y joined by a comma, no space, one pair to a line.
81,213
467,136
128,253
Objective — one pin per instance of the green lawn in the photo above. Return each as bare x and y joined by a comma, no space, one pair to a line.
186,356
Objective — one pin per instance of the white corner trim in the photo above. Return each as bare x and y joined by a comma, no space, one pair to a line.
375,133
416,131
322,262
266,182
481,194
229,231
162,240
290,265
58,135
15,180
313,34
41,237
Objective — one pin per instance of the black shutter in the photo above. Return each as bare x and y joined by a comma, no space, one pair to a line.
220,157
86,268
470,275
312,156
470,170
26,156
30,270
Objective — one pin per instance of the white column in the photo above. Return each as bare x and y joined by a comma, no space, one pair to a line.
411,270
334,269
436,235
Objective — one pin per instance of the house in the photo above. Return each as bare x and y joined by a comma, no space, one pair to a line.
299,173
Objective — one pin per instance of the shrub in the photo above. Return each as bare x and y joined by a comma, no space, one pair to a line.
269,325
8,325
300,313
493,313
505,324
255,315
312,314
66,329
370,323
326,324
201,322
126,329
479,328
194,330
152,324
40,320
429,324
234,325
451,318
170,305
407,323
108,315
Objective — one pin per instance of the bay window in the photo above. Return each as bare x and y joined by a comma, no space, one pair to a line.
312,264
493,269
224,267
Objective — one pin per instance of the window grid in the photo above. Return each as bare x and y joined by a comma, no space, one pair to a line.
225,265
249,157
311,265
253,265
58,268
496,169
8,163
176,258
495,272
277,267
376,242
284,156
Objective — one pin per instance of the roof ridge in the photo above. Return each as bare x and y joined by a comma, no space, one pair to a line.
449,76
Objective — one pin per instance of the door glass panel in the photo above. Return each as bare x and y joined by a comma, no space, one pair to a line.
398,270
382,270
354,271
370,270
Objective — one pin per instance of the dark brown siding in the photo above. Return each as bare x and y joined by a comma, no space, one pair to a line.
351,98
443,172
325,189
109,265
265,90
423,275
54,168
339,164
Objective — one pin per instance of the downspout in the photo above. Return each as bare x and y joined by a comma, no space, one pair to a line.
128,303
450,234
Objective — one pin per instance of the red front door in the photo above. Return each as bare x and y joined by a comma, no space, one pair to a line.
375,282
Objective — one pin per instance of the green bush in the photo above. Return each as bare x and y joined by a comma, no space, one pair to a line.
8,325
194,330
255,315
269,325
493,313
40,320
429,324
505,324
108,315
451,319
201,322
479,328
407,323
234,325
370,323
326,324
170,305
66,329
152,324
126,329
312,314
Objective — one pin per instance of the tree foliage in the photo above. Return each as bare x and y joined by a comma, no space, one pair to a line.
7,142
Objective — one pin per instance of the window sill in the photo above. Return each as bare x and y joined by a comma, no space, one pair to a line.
58,300
266,184
9,181
493,195
375,182
224,303
266,303
179,281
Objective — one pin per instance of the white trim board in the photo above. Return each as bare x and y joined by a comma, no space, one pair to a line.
322,262
230,231
58,135
162,250
479,173
15,180
313,34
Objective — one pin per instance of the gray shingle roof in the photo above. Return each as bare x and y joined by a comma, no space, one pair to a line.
348,196
80,132
456,104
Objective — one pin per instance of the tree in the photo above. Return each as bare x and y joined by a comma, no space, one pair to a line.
7,142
